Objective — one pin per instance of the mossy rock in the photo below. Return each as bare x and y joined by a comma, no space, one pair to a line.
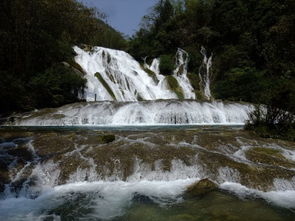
93,139
105,84
200,188
183,217
75,67
22,153
87,48
151,74
194,80
174,86
58,116
269,156
107,138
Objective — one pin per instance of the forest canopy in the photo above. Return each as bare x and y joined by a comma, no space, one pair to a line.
252,42
35,38
253,46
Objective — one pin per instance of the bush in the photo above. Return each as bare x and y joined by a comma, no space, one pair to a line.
57,86
166,64
269,121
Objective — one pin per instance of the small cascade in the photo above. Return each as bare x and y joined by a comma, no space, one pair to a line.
80,175
205,74
172,112
155,66
114,75
180,74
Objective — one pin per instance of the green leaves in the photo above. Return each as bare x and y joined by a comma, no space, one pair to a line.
35,36
167,64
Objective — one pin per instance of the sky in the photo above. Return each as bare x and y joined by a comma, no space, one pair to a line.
123,15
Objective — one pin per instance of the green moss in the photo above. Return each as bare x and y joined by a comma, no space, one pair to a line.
104,83
87,48
174,86
180,70
268,151
268,156
151,74
183,217
194,80
265,132
200,188
107,138
75,65
166,64
58,116
139,98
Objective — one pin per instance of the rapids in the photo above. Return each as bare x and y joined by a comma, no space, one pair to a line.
138,151
130,175
105,113
115,75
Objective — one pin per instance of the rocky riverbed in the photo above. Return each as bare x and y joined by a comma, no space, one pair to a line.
197,163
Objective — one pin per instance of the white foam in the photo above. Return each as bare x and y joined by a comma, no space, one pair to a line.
284,199
142,113
125,78
107,199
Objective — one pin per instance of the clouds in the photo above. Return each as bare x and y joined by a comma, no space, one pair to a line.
123,15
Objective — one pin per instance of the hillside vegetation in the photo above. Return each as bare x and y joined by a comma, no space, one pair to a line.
252,42
35,37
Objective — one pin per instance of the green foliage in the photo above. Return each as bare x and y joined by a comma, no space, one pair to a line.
151,74
57,86
174,86
105,84
272,122
246,84
35,36
166,64
253,45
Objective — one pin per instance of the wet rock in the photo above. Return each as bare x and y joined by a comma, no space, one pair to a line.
200,188
107,138
142,199
269,156
21,141
22,153
4,178
183,217
97,138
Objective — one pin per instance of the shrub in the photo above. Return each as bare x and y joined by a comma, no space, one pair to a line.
269,121
166,64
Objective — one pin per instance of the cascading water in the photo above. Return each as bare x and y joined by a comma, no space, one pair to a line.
180,74
90,175
205,74
115,76
171,112
142,173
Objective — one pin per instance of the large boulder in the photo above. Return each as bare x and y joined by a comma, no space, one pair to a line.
200,188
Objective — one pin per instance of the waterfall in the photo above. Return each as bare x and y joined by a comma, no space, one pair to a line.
172,112
180,74
205,74
115,75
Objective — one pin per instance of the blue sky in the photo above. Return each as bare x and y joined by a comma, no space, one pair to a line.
123,15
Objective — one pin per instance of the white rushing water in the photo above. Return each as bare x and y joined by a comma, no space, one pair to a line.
205,74
115,75
140,113
88,195
109,199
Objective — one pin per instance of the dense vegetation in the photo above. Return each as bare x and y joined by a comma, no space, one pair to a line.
253,43
36,56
